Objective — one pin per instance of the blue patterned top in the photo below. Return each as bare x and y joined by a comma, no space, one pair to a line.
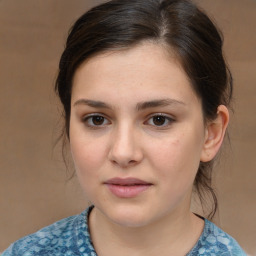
70,236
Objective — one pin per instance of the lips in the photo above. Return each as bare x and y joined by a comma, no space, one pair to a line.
128,187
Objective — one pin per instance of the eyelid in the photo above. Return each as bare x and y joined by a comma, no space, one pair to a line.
92,115
85,119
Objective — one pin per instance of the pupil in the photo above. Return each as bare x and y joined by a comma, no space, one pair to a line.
159,120
98,120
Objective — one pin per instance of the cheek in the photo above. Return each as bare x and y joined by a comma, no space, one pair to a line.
177,158
87,159
87,155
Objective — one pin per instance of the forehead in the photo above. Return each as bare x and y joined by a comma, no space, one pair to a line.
142,70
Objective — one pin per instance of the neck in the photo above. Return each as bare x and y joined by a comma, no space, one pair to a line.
174,234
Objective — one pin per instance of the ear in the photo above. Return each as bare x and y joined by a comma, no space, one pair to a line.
214,134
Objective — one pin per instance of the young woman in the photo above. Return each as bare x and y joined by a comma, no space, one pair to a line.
145,91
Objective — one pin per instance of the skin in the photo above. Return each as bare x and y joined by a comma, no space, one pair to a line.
128,142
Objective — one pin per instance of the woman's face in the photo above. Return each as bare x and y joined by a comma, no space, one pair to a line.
136,134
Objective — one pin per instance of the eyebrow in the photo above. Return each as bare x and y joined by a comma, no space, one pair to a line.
158,103
140,106
92,103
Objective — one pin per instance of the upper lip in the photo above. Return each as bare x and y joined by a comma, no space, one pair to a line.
127,181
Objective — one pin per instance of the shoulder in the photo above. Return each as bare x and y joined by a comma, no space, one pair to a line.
68,236
215,241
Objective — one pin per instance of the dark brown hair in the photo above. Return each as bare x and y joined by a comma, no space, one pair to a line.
178,25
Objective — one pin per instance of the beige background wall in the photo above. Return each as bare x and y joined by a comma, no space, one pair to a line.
33,187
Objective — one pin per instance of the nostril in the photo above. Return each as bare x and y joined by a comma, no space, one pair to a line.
124,163
132,162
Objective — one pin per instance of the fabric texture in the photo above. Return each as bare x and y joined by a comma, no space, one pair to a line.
70,236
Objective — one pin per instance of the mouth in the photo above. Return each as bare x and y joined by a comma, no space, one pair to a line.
128,187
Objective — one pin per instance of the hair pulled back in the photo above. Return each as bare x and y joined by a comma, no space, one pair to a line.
178,25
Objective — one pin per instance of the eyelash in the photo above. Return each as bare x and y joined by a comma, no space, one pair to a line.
167,120
88,120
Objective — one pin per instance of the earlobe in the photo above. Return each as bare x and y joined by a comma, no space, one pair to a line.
214,135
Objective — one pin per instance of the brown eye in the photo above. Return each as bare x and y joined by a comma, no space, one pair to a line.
159,120
95,121
98,120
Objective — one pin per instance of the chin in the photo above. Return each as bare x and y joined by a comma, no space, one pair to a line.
129,216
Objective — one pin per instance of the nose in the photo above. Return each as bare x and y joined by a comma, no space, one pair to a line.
125,148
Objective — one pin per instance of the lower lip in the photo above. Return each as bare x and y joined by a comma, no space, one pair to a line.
127,191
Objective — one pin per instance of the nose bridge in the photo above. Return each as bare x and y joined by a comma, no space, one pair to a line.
125,148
